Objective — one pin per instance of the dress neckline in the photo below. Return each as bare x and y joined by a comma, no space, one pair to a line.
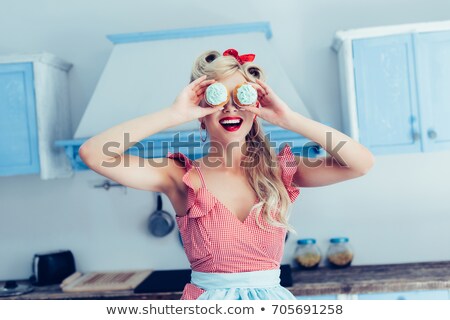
221,203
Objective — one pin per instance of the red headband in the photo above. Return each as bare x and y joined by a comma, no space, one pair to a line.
241,59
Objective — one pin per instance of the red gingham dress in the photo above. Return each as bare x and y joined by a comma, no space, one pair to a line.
215,240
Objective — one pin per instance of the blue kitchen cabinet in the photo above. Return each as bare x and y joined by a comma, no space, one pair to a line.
34,112
385,94
394,86
18,126
433,79
407,295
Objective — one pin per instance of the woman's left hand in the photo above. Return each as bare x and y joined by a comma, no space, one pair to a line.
271,108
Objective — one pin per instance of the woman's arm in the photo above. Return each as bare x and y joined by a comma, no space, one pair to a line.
104,153
348,159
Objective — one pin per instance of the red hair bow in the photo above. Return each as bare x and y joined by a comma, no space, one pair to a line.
241,59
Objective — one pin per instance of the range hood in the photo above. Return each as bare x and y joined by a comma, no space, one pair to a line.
146,71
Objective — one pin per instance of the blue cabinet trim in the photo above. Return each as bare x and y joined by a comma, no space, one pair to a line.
188,142
263,27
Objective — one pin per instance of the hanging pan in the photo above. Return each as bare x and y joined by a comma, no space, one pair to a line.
161,222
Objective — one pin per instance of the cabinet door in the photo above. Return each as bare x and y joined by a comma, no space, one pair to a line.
18,130
385,88
433,78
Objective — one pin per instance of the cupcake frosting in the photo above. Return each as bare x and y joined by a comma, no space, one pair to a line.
246,94
216,94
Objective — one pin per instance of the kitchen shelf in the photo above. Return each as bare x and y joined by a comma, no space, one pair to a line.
188,142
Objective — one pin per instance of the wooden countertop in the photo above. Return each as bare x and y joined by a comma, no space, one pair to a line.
373,278
322,281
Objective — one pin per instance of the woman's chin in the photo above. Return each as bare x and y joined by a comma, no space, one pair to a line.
229,137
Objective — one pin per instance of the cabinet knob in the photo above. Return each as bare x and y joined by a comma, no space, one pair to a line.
416,136
432,134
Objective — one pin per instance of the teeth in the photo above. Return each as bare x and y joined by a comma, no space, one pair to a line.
237,121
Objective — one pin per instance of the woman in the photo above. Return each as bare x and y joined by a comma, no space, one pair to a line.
232,204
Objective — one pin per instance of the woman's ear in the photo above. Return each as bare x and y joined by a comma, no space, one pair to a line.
202,122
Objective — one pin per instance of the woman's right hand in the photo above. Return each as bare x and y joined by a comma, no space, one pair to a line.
186,105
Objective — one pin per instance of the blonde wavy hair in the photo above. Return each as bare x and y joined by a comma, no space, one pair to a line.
265,179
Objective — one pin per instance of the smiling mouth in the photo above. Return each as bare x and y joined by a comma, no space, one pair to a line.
231,124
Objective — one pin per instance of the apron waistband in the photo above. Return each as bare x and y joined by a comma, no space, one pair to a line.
251,279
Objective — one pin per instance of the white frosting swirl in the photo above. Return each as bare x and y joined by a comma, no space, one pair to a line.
216,94
246,94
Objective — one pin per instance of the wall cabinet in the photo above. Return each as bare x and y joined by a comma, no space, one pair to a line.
34,109
18,125
432,52
394,86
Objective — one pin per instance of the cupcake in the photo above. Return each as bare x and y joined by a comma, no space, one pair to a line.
216,95
245,95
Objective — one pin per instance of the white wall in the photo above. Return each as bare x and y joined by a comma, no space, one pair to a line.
397,213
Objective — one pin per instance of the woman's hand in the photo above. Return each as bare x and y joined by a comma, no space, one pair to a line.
270,108
186,105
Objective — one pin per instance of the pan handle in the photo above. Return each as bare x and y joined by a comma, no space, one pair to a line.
159,202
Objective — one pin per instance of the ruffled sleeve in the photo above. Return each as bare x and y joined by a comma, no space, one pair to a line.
286,161
200,203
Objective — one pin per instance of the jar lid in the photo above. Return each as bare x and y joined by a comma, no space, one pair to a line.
339,240
306,241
